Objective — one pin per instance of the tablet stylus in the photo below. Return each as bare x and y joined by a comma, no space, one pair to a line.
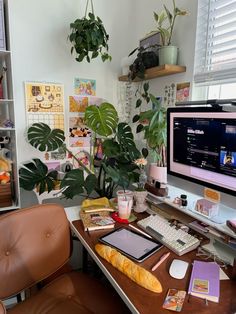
161,260
133,227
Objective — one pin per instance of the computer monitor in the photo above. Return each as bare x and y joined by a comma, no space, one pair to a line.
202,146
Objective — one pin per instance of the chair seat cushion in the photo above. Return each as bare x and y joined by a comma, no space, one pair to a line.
2,308
72,293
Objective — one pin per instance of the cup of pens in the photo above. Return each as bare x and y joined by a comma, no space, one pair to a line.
125,203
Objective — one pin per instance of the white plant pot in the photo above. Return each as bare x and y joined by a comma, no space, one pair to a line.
140,201
157,173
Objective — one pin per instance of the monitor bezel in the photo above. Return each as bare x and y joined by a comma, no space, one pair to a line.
188,178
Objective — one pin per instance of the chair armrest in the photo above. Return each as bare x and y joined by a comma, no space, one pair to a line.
2,308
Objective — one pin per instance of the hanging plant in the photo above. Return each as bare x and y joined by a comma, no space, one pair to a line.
89,37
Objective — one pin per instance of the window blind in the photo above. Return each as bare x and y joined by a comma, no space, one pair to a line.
215,51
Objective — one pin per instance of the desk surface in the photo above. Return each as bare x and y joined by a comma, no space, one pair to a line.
140,300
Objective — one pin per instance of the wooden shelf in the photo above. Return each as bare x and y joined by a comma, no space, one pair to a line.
162,70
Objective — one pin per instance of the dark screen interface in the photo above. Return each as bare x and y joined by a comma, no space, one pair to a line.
206,143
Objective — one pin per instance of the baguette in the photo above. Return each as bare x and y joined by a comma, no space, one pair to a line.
135,272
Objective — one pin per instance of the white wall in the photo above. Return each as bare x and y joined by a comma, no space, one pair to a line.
41,51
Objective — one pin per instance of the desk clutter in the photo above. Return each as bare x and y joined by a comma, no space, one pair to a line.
95,214
171,276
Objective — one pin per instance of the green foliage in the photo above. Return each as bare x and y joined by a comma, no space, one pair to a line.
126,141
117,166
101,120
75,184
35,174
89,39
166,22
144,60
154,128
43,138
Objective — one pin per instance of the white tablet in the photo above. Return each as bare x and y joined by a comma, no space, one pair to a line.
134,245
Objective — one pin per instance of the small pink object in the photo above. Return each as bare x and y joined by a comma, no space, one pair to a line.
161,260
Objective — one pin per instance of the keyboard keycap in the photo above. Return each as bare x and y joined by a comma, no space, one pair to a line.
176,240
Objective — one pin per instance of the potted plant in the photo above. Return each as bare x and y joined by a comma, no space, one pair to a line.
144,60
116,168
89,38
152,123
168,54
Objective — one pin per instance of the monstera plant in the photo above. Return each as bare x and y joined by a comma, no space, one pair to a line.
116,169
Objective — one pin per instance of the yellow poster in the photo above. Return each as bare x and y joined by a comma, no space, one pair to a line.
45,103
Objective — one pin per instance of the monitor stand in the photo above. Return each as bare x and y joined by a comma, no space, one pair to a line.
220,251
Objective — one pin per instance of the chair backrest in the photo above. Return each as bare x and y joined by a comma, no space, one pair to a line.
34,243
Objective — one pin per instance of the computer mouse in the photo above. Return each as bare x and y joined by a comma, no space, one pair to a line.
178,268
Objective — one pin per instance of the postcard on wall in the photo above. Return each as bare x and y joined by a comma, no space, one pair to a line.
78,103
85,87
77,122
182,91
169,95
93,100
53,165
78,131
82,155
58,154
79,141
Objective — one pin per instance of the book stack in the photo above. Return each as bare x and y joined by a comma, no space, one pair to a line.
96,219
205,281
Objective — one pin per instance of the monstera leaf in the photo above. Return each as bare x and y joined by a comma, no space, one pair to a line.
102,120
43,138
118,176
35,174
126,140
74,183
111,148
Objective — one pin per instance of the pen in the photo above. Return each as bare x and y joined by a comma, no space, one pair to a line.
161,260
133,227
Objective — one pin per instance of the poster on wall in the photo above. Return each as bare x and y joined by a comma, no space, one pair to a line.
182,91
169,95
78,103
84,87
82,156
45,103
79,134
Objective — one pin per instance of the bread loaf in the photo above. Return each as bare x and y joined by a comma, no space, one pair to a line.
135,272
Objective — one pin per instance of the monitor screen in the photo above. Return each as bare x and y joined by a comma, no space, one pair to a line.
202,146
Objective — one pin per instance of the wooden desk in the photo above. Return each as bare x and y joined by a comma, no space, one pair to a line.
140,300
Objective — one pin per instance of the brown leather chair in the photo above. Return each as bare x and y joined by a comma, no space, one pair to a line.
35,243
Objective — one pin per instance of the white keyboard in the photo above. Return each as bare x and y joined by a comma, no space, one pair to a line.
176,240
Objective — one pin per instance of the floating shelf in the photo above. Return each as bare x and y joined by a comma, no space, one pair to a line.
162,70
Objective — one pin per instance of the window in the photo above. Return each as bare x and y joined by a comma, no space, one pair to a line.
215,52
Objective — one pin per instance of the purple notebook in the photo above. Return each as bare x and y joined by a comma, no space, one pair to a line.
205,281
